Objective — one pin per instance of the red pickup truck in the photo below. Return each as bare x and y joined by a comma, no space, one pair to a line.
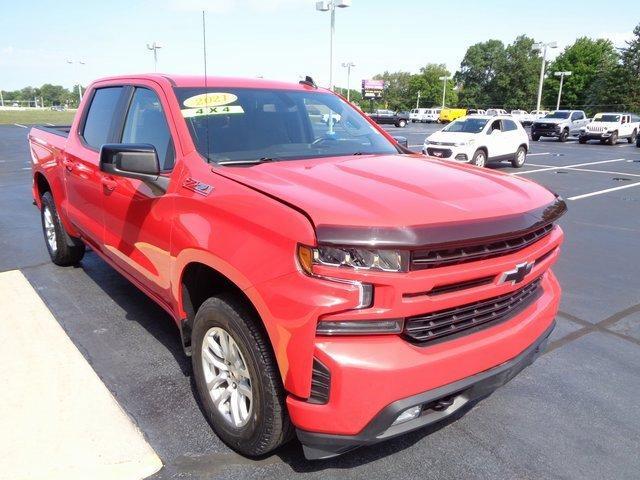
326,281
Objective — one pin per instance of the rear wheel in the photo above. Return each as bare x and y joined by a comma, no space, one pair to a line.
519,158
237,378
63,249
613,139
633,137
564,135
479,158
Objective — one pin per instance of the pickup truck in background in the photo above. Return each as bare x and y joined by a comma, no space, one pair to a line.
522,116
389,117
560,124
609,127
325,281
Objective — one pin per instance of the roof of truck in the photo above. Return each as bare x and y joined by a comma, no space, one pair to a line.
196,81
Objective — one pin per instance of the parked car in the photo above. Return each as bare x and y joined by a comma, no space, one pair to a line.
58,108
560,124
538,114
522,116
496,111
328,284
609,127
424,114
476,111
450,114
479,140
399,119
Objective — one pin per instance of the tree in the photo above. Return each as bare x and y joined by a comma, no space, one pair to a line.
396,93
589,61
428,83
516,83
478,70
631,66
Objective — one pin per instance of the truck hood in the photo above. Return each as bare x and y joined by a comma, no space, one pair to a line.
450,137
393,192
555,121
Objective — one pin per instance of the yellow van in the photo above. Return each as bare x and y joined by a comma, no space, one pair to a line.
450,114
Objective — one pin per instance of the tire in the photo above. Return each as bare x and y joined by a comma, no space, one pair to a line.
266,421
479,158
519,158
535,137
582,141
413,121
401,123
63,249
633,137
564,135
613,139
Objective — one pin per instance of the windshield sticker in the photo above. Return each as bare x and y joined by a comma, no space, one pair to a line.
199,112
212,99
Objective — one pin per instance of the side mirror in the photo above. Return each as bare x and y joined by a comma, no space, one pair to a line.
402,141
134,160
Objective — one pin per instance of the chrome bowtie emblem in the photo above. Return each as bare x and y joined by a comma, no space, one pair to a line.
517,274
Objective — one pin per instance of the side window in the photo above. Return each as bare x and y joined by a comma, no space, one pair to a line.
509,125
494,126
146,123
577,116
100,115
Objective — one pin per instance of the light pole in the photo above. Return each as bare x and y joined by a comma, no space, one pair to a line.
348,66
444,87
543,47
155,46
561,75
330,6
78,62
418,100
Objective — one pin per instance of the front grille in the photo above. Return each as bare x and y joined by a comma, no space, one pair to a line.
440,257
320,383
471,317
594,128
439,152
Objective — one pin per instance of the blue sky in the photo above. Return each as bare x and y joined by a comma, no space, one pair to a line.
280,39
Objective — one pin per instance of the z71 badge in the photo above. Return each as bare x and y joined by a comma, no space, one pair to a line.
198,187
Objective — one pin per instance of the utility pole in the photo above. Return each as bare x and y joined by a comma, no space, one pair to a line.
418,100
78,62
1,99
543,47
561,75
444,88
155,46
348,66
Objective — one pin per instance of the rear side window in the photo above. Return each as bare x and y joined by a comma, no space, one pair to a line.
146,123
509,125
100,115
577,116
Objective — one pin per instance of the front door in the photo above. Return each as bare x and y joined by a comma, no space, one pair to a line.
136,219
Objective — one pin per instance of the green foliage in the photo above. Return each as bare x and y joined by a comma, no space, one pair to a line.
478,70
47,93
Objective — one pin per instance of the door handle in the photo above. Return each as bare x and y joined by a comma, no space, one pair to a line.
109,183
68,164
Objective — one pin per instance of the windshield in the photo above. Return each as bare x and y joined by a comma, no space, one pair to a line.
557,115
606,118
466,125
242,125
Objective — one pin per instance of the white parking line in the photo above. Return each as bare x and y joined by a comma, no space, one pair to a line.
536,154
568,166
600,192
20,125
57,418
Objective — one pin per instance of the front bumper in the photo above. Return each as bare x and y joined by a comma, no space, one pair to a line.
461,153
545,131
436,404
594,135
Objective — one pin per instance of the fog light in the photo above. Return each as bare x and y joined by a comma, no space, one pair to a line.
408,414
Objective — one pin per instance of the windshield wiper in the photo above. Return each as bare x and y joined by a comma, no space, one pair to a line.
249,161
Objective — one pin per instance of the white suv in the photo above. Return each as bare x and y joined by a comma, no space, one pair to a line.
480,139
609,127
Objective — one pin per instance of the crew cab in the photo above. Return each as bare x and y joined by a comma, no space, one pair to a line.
399,119
609,127
325,281
560,124
479,139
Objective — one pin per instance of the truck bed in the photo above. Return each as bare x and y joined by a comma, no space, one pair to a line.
60,130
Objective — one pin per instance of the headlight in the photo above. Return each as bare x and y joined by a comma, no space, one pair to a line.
462,144
353,257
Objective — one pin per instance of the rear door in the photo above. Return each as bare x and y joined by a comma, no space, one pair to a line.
81,158
137,220
511,137
578,120
495,141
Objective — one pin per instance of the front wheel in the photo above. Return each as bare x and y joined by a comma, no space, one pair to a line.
401,123
237,378
63,249
479,158
519,158
535,137
613,139
582,140
564,135
633,137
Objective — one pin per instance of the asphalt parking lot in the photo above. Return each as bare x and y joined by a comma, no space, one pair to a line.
573,414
